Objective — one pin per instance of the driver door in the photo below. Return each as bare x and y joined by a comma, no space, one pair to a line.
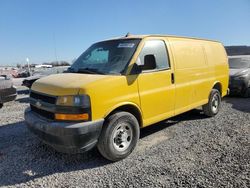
156,86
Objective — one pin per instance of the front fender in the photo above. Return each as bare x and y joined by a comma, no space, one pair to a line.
119,105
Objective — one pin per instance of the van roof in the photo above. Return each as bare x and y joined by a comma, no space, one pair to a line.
130,36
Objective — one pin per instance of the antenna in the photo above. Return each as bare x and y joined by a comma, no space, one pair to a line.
55,51
128,34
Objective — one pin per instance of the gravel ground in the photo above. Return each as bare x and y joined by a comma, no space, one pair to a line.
186,151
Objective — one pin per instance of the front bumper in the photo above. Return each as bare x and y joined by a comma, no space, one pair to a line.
8,94
66,137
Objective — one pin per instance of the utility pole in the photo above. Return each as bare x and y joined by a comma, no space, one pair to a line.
54,38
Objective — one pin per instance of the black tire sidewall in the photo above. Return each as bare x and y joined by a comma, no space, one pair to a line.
112,123
134,140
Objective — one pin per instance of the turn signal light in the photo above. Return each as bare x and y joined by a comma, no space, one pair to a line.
73,117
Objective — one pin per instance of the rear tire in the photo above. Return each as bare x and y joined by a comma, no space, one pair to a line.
119,136
212,107
1,105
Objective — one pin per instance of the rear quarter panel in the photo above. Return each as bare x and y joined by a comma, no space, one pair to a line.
193,78
218,64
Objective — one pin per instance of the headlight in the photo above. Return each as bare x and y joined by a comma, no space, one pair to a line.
78,107
74,100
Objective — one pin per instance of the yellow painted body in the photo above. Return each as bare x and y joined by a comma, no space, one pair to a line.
197,66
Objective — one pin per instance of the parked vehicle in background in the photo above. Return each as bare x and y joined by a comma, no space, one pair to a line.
239,83
43,66
39,73
7,90
120,85
20,73
13,71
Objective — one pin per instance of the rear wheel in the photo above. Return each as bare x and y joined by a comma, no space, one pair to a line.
212,107
1,105
119,136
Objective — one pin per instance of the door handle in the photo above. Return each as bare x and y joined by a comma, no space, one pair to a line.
172,78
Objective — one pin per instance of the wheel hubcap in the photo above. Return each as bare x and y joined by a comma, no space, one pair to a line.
122,137
215,103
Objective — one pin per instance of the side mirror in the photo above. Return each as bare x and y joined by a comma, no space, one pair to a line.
149,62
138,62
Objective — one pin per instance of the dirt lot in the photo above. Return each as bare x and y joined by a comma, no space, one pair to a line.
186,151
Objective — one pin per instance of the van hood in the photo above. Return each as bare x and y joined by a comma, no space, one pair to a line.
65,84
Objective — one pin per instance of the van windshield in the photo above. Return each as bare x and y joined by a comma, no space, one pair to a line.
108,57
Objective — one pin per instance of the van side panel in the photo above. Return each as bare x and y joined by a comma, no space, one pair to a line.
218,63
197,66
156,90
193,78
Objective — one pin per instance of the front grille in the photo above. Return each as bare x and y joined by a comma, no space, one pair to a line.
42,97
46,114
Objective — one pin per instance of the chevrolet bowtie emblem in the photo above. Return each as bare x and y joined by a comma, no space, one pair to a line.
38,104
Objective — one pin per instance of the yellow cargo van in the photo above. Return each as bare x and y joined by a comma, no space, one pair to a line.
120,85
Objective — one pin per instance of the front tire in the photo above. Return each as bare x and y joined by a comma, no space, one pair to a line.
119,136
212,107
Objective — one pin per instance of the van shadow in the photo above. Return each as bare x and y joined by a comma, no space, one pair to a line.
23,157
239,103
187,116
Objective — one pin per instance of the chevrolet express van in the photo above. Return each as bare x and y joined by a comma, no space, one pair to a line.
120,85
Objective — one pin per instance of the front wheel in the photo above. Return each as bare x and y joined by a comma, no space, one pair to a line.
119,136
212,107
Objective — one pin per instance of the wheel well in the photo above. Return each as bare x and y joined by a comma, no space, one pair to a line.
131,109
218,87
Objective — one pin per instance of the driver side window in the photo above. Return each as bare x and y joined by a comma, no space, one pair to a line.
158,49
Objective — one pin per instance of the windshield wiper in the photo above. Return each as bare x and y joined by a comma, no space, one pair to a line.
89,70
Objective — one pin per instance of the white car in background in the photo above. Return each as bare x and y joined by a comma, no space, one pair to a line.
39,73
239,82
